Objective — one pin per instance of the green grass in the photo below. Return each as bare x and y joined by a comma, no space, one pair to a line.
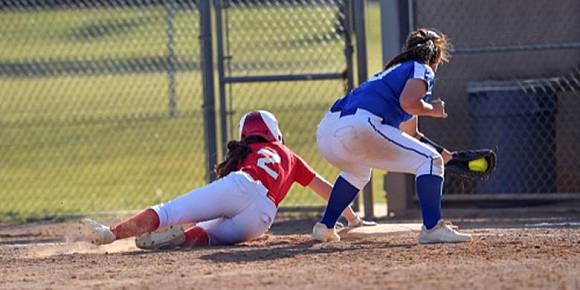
91,33
105,142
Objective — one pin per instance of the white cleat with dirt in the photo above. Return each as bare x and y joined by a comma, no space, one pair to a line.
443,232
97,233
169,238
323,234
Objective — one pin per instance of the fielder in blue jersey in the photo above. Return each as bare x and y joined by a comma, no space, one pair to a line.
375,126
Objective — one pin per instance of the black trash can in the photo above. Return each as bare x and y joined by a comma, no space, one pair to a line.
518,119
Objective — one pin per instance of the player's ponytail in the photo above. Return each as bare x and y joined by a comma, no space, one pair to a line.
424,46
237,151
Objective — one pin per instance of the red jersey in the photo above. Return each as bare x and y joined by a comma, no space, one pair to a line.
277,167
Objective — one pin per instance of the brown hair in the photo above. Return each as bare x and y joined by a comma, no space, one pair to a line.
424,46
237,151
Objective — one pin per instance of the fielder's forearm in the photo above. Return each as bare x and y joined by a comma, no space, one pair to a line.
426,140
418,108
411,99
446,154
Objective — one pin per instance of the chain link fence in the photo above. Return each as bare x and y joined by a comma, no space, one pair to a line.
100,105
101,101
287,57
513,85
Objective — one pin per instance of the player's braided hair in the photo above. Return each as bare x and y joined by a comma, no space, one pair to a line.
237,151
424,46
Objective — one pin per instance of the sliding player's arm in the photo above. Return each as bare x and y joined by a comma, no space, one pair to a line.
323,188
306,176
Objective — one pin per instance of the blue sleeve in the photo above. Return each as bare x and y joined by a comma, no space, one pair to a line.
424,72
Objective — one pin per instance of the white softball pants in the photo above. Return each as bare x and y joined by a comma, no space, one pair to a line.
232,209
356,143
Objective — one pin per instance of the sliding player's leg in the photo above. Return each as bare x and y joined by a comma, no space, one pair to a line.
225,197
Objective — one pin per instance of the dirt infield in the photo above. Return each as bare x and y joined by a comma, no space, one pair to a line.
502,256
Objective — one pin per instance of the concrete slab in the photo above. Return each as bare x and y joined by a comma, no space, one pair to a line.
379,230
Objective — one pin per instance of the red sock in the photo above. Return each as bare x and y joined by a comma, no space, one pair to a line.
196,237
142,222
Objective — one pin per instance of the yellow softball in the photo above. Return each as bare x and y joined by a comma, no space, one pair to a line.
478,165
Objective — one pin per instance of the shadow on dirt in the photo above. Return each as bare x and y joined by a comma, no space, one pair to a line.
308,248
300,226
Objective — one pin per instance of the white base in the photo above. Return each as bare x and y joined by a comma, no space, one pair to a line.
379,230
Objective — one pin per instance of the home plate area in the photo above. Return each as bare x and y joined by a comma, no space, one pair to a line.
380,230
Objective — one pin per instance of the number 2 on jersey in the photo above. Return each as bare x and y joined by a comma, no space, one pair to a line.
270,157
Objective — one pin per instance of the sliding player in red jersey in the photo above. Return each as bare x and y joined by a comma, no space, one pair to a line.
241,205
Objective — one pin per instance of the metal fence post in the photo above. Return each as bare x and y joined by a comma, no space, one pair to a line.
396,23
205,38
221,59
170,11
359,12
348,11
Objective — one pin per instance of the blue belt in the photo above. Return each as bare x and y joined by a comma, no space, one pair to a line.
350,112
344,112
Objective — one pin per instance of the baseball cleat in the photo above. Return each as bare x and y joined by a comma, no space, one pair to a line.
165,239
323,234
443,232
97,233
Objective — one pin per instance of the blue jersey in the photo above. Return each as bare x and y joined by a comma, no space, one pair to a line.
380,94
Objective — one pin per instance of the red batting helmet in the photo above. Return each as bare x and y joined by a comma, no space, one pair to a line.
260,123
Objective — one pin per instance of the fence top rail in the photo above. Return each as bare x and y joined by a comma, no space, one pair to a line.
277,78
515,47
512,196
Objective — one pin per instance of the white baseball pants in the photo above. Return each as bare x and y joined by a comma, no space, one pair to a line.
232,209
356,143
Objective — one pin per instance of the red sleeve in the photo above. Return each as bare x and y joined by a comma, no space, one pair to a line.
303,173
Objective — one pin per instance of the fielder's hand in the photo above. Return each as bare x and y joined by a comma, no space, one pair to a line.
439,109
